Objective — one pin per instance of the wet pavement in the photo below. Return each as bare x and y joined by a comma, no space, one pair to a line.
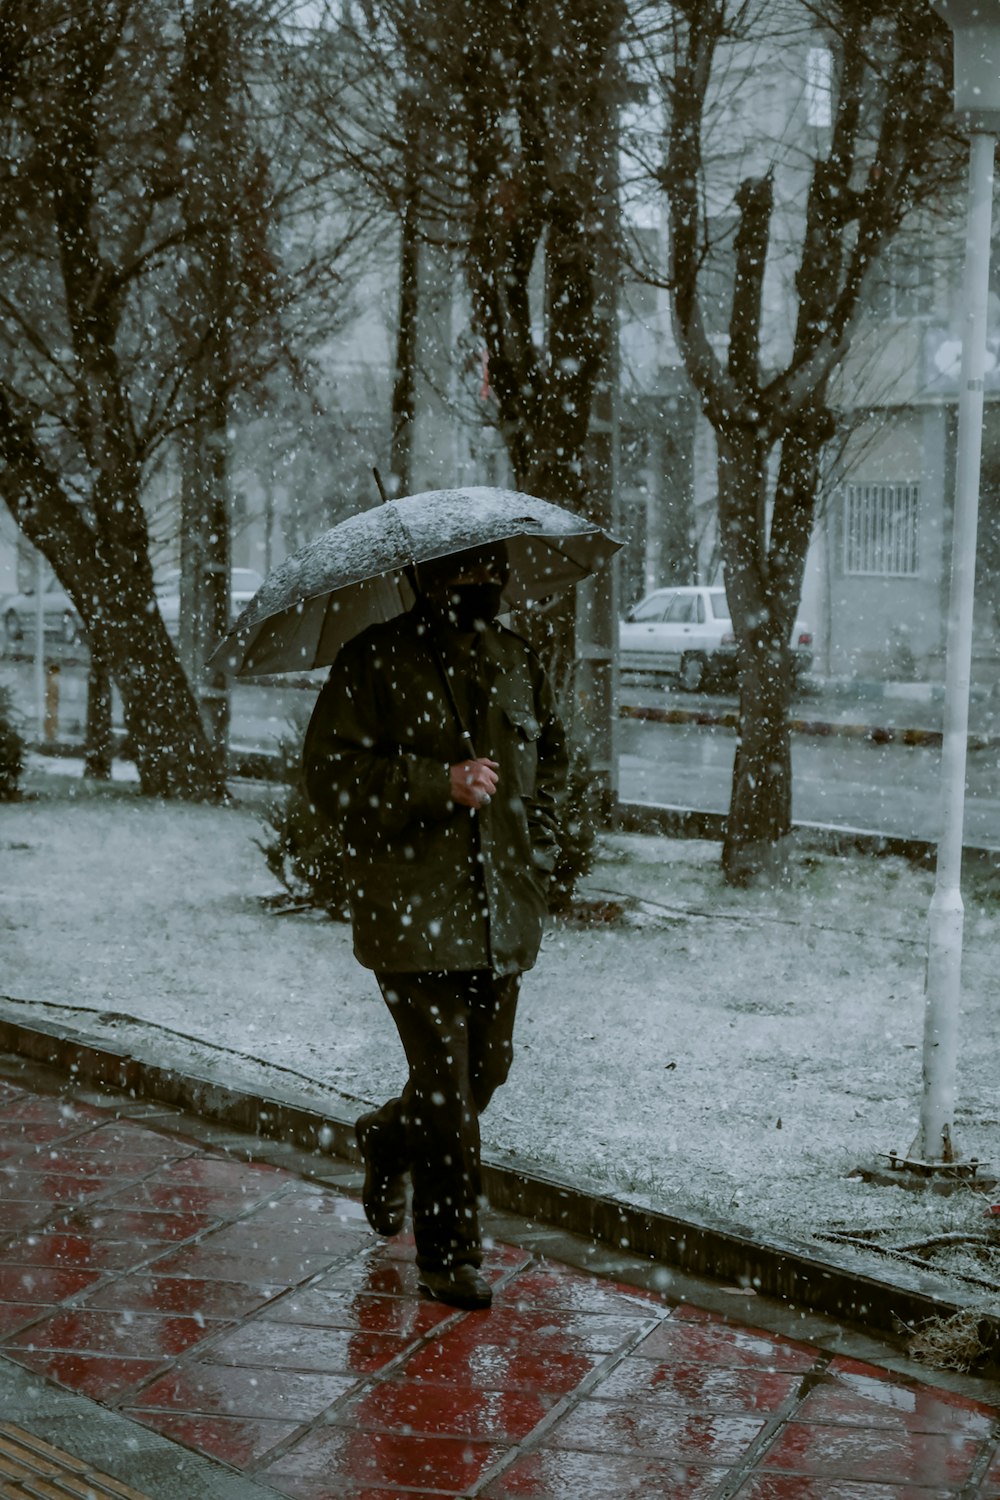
215,1325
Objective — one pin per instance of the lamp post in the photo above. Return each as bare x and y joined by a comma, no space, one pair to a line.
975,25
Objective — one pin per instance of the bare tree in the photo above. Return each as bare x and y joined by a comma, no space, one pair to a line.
102,359
489,131
878,144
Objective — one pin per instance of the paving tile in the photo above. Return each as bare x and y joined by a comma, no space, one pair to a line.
723,1344
712,1388
76,1251
177,1294
860,1397
223,1171
15,1217
333,1462
286,1266
516,1327
42,1283
47,1108
364,1274
208,1389
319,1204
123,1138
875,1454
556,1287
180,1197
60,1158
112,1223
610,1427
331,1308
439,1411
99,1376
21,1134
90,1331
48,1187
795,1487
239,1441
289,1346
552,1475
991,1482
261,1240
488,1366
14,1315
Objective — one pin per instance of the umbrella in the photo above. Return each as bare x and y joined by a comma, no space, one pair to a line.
356,573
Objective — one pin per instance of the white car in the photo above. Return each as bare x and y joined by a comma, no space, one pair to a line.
687,632
59,617
243,584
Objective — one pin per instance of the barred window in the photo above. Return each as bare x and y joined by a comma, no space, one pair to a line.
881,530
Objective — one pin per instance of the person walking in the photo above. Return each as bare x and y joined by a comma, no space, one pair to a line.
436,745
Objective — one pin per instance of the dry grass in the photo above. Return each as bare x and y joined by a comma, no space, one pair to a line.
960,1342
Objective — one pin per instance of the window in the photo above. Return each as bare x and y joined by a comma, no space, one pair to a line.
720,604
683,610
881,530
819,87
652,608
904,280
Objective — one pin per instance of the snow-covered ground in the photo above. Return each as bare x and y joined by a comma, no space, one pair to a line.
727,1053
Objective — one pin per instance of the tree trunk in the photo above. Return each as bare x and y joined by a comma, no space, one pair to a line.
760,809
97,756
172,753
404,384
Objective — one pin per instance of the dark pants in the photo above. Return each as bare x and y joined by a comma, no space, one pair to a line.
456,1030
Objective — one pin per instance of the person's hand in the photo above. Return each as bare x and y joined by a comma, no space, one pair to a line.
473,782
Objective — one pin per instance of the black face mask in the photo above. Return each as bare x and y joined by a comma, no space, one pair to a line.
470,606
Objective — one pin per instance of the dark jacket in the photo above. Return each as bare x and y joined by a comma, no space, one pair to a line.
433,885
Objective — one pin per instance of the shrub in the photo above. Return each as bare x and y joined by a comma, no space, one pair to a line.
304,851
11,748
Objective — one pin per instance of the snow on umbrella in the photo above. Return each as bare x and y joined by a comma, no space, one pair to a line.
355,574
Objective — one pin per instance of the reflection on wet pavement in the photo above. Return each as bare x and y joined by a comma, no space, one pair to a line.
243,1312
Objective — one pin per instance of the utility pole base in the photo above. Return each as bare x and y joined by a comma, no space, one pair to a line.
940,1178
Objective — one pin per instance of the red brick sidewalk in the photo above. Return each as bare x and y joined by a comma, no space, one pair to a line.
251,1315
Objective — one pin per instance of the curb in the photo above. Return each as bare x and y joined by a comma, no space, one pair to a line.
828,838
874,734
793,1272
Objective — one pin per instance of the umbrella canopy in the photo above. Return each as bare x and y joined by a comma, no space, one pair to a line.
355,574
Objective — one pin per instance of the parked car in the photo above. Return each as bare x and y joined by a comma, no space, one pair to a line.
59,617
687,632
243,584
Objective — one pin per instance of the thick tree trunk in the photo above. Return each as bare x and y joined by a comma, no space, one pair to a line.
760,809
166,736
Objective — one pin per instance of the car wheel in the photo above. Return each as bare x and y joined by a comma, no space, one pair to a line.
12,627
692,673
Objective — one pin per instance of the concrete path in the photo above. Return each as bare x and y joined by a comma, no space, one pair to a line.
178,1319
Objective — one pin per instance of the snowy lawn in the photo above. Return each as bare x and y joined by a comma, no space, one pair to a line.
734,1054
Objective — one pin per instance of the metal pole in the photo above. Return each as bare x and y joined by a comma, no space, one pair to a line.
935,1141
39,647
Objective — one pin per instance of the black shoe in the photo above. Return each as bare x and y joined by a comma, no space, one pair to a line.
383,1196
460,1286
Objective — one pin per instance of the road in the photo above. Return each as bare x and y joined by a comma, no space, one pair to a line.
892,789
